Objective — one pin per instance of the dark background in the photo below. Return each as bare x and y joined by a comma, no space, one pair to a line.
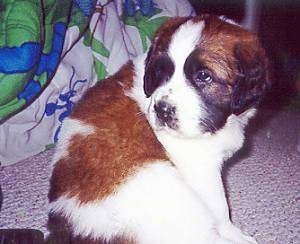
278,27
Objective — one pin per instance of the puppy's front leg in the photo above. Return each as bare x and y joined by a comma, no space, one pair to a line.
208,184
206,180
200,163
232,135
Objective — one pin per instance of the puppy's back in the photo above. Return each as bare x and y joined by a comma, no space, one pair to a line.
120,142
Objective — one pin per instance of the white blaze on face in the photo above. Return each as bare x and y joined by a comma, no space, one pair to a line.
177,91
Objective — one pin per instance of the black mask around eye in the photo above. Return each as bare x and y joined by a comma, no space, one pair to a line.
157,71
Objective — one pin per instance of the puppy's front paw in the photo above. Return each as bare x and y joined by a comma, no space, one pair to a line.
241,119
245,116
229,231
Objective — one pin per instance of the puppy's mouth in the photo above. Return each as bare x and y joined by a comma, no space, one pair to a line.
165,115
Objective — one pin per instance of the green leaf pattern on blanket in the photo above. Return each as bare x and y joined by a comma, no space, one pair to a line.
56,11
96,45
146,25
29,29
17,19
10,103
78,19
99,48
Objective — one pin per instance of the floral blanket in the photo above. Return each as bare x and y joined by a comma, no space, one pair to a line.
51,51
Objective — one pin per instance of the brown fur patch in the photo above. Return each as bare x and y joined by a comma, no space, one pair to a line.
123,141
217,45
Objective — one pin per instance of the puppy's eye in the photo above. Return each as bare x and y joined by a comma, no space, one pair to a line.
203,77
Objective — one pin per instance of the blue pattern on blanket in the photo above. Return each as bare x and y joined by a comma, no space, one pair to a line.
48,62
19,59
86,6
64,103
30,51
145,6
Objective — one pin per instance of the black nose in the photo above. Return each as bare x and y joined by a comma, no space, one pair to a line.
164,111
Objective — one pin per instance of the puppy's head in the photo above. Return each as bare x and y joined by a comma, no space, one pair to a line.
201,70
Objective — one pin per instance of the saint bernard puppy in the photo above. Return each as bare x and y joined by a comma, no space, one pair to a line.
140,158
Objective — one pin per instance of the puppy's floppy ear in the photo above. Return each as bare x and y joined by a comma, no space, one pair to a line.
158,70
252,79
158,65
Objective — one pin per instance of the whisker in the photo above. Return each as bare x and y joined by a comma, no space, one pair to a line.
208,123
139,117
139,114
